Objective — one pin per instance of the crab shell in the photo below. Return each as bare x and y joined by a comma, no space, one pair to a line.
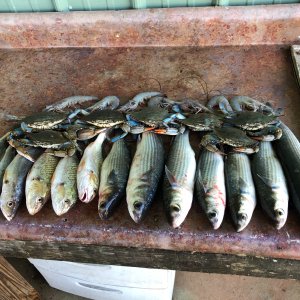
202,122
151,116
104,118
44,120
250,120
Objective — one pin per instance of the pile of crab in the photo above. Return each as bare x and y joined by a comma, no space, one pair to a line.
59,129
66,130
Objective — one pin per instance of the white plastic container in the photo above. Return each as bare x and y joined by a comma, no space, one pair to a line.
107,282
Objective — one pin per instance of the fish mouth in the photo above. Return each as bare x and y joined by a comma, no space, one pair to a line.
64,207
103,210
214,219
242,221
138,211
174,217
88,195
280,217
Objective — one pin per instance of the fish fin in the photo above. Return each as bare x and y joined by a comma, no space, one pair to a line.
266,181
112,177
171,178
145,176
243,185
200,181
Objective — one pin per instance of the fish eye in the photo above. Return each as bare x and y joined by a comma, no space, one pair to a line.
39,200
137,205
102,205
212,215
67,201
175,208
10,204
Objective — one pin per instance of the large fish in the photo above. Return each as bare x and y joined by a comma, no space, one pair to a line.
3,145
145,173
38,182
13,188
114,175
63,185
179,180
88,173
8,156
288,151
210,186
240,189
270,182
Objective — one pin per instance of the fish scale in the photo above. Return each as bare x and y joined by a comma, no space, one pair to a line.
240,189
210,186
113,179
145,172
179,180
8,156
270,183
38,182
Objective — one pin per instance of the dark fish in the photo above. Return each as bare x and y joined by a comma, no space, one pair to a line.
113,179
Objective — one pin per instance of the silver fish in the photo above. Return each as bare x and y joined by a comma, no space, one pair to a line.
210,186
88,173
145,172
38,182
113,179
8,156
179,180
288,151
13,188
63,185
270,182
240,189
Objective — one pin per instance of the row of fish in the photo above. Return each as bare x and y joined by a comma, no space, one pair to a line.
237,178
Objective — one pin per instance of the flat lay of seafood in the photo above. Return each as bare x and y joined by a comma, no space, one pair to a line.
83,148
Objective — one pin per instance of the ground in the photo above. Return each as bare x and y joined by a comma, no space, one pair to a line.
188,286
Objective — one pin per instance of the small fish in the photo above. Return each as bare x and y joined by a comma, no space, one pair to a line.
114,175
88,173
13,188
240,189
3,145
63,185
38,182
179,180
288,151
145,173
8,156
270,182
210,186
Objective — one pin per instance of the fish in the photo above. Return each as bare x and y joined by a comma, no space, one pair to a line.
288,150
210,186
88,173
8,156
63,185
38,182
13,187
113,179
145,173
179,180
3,145
271,184
240,189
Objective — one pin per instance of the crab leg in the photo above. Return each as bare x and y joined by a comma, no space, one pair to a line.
222,102
69,101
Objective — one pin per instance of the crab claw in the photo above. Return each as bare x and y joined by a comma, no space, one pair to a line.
247,150
268,134
210,142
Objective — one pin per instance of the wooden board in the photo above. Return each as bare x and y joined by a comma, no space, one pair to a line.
13,285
